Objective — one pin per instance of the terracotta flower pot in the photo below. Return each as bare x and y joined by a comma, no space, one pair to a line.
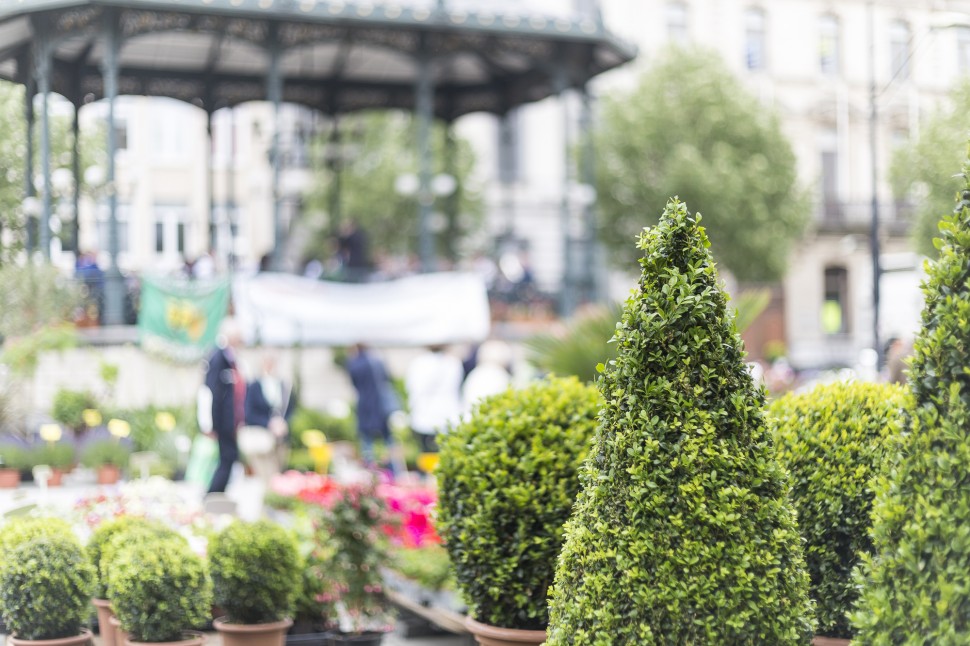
121,637
271,634
105,615
9,478
830,641
57,475
108,474
494,636
192,638
84,639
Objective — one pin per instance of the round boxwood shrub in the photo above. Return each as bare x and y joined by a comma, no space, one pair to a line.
916,583
26,529
159,588
45,588
507,479
129,529
683,532
833,440
255,572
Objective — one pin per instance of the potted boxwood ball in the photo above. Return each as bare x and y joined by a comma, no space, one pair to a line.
256,576
507,480
160,590
833,440
45,585
109,537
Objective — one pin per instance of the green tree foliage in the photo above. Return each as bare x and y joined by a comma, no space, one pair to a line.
683,532
922,170
691,129
381,148
833,440
916,585
507,480
35,296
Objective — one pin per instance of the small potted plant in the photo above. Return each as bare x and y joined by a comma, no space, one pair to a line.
59,456
13,459
69,408
833,440
160,591
45,584
107,457
353,547
109,537
255,576
507,480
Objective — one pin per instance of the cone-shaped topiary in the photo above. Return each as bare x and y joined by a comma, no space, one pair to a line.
682,533
916,585
833,440
508,478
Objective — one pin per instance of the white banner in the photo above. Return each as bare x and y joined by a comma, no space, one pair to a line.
282,309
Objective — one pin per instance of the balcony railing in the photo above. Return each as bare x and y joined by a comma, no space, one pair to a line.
834,215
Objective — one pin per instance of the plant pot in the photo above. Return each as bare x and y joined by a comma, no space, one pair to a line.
9,478
367,638
57,476
105,615
84,639
271,634
108,474
830,641
121,637
192,638
494,636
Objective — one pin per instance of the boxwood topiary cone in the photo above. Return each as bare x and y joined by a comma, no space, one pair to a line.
916,586
682,533
833,440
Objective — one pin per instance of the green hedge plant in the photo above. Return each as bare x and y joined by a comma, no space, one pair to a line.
255,572
916,584
26,529
507,479
45,588
105,452
158,589
683,532
833,440
118,533
69,405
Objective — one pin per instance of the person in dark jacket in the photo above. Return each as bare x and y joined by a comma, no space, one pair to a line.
370,379
228,389
269,404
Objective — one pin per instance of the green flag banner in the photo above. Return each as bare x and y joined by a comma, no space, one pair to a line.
179,319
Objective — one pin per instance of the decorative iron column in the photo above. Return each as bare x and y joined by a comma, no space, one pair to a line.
452,201
336,163
43,71
114,296
874,159
274,94
507,168
424,111
593,270
569,297
76,172
30,191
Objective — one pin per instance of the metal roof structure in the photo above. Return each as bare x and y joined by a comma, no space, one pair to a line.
333,56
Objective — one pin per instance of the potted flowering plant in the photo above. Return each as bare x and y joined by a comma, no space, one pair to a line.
13,459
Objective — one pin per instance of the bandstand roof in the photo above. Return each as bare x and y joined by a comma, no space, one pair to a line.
334,56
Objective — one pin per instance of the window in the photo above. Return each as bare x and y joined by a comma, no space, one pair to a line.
834,313
102,226
676,15
828,45
963,50
754,39
510,147
170,230
121,134
899,49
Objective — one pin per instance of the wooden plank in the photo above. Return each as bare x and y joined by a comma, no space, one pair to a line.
450,621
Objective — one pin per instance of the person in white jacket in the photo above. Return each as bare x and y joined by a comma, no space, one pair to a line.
433,383
491,375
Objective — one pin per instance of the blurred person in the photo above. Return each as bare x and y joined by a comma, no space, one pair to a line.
375,396
228,395
269,405
490,377
433,384
87,271
353,248
897,354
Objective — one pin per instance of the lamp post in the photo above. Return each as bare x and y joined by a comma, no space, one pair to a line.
441,185
102,189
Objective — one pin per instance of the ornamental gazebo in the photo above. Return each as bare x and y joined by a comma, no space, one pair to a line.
437,58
